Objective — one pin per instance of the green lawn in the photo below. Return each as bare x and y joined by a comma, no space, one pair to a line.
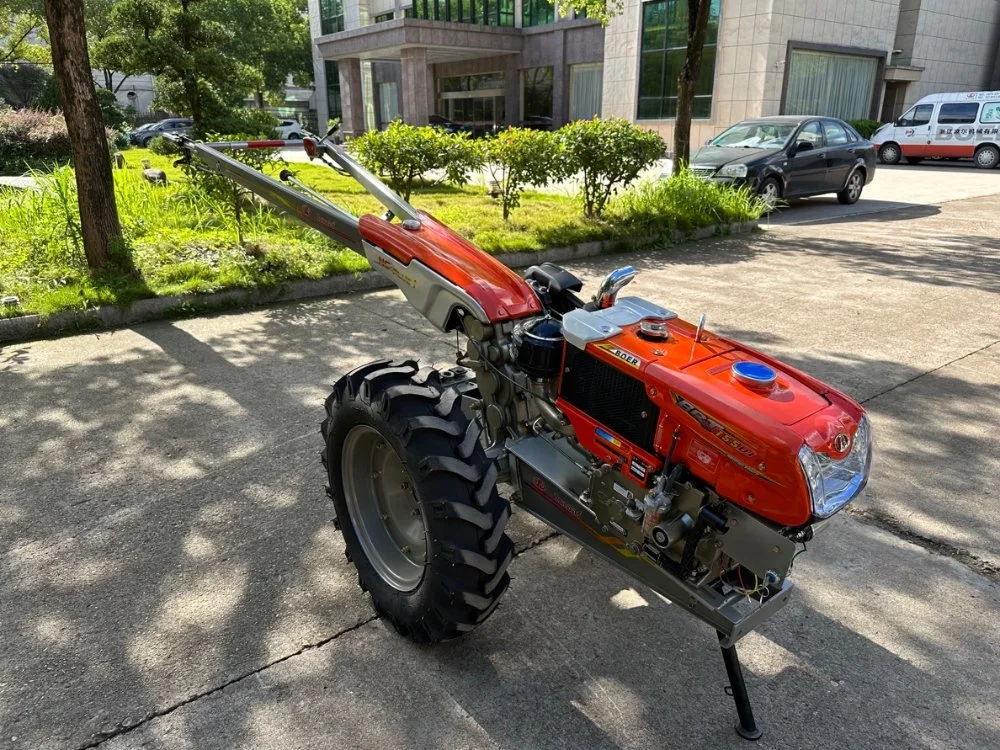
181,241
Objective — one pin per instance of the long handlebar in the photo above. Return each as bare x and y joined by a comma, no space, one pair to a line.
311,209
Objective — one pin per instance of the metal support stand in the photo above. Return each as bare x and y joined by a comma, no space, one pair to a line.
746,727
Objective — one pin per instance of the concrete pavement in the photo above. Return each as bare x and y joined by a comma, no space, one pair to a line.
170,577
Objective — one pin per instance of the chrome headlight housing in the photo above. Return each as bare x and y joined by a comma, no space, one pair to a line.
833,483
733,170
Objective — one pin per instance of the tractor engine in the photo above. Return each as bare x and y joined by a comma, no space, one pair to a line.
679,447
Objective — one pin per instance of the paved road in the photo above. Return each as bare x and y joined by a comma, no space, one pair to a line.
170,578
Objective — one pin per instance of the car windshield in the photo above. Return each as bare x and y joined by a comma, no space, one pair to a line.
756,135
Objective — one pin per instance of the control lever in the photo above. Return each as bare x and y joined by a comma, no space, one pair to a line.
613,283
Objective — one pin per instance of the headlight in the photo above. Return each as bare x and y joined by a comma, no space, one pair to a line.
733,170
834,483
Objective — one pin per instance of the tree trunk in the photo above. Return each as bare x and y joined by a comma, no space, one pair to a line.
258,98
687,81
99,223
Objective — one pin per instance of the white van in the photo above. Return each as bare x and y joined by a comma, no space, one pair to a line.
947,126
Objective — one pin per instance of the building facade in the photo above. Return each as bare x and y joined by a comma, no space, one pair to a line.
485,62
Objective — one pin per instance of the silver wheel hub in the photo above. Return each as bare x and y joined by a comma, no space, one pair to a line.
986,157
384,511
769,193
854,186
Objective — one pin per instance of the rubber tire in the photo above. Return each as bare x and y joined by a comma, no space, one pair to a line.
993,163
895,150
777,184
914,159
418,411
844,197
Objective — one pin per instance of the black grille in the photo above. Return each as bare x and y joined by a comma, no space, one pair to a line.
610,397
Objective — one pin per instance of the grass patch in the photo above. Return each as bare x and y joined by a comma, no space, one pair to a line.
182,241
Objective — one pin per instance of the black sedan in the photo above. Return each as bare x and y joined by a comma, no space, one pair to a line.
790,157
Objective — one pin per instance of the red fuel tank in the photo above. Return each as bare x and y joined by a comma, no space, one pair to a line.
740,430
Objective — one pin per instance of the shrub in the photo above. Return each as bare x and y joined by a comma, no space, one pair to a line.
610,153
32,139
685,203
162,147
254,123
228,193
404,154
519,157
866,128
21,85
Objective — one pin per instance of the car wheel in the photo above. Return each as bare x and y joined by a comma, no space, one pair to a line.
889,153
770,193
987,157
852,190
914,159
294,137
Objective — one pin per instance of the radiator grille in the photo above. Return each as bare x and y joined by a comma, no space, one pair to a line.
702,172
610,397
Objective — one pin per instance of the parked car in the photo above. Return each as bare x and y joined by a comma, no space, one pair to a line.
437,121
536,122
790,157
143,135
290,130
945,126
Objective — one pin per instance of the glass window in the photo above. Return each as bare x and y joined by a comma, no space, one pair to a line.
332,91
991,112
536,88
812,133
388,98
661,57
537,12
331,16
772,135
484,12
830,84
958,114
586,84
919,115
383,17
835,133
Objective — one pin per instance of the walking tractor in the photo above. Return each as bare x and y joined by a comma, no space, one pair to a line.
697,465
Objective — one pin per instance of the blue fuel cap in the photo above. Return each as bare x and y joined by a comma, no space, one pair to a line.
754,374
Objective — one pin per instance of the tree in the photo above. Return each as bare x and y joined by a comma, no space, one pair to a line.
687,79
100,26
519,157
403,154
206,54
22,32
99,224
610,153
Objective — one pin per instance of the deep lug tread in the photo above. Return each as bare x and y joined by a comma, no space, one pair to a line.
470,441
451,465
455,481
490,545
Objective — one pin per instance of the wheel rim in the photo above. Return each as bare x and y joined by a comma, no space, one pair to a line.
986,157
854,186
769,193
890,154
384,511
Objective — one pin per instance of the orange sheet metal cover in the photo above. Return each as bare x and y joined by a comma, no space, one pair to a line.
501,293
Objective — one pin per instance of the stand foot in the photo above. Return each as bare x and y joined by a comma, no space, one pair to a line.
746,727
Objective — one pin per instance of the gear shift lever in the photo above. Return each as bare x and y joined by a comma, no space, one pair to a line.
613,283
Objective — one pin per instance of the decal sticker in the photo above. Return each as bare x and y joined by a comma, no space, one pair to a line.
607,437
387,265
622,491
716,428
638,467
627,357
701,455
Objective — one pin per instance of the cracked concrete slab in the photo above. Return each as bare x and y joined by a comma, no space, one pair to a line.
163,529
884,644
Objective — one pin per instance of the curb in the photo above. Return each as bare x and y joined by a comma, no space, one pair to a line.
28,327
